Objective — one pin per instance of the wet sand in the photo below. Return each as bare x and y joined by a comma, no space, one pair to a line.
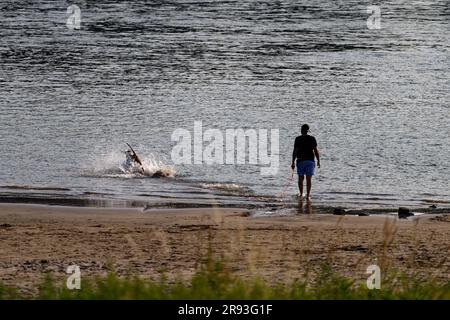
38,239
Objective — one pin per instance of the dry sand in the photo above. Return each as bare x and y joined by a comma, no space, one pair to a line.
37,239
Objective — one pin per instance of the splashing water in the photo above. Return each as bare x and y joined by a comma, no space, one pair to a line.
111,165
155,166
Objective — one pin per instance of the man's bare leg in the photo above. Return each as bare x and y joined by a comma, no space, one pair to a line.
300,184
308,186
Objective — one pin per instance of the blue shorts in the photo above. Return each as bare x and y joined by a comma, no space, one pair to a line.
305,167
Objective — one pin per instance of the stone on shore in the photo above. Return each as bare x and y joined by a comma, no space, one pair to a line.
339,211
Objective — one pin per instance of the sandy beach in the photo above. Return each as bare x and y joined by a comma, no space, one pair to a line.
38,239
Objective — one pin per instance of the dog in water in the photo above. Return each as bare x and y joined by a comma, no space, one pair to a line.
134,163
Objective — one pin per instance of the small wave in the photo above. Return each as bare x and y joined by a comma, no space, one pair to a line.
91,193
360,193
107,173
14,187
436,201
226,187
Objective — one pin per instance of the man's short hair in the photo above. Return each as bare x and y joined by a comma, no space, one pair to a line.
305,128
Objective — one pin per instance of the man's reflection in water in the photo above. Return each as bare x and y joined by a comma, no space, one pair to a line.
304,207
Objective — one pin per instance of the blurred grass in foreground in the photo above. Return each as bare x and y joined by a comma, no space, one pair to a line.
213,281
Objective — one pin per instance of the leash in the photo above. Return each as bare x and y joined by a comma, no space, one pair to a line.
288,183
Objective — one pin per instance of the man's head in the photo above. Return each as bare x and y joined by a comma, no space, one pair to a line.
305,129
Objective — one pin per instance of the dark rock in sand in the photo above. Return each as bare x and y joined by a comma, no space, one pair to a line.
404,213
339,211
357,248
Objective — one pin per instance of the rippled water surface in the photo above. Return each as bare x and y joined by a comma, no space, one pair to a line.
377,101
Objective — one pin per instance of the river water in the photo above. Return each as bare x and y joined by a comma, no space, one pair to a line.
377,100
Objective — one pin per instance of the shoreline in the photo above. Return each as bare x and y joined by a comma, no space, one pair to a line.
272,205
40,239
217,197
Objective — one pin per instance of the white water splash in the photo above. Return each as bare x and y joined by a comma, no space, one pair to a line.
224,186
110,165
157,166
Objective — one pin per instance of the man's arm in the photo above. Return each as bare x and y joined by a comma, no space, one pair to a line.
294,155
317,154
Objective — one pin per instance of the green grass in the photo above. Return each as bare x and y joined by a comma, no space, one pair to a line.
8,293
213,281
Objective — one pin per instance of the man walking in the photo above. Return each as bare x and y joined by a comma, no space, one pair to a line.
305,149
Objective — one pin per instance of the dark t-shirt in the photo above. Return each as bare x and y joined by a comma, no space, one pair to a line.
304,148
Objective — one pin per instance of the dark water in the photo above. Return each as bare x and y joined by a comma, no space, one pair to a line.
378,101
